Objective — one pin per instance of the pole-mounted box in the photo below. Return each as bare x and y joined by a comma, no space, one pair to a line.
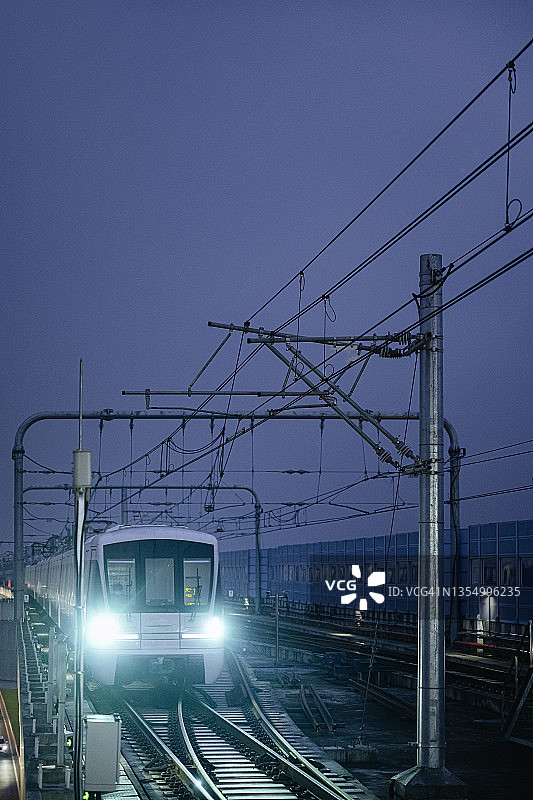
81,470
102,752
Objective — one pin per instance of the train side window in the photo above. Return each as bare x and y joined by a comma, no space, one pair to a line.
95,592
159,581
121,582
196,581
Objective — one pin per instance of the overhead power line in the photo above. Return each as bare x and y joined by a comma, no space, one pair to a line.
398,175
478,171
422,217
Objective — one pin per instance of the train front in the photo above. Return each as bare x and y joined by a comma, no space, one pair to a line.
151,610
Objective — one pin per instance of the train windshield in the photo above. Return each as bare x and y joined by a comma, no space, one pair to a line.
158,575
159,581
196,581
121,581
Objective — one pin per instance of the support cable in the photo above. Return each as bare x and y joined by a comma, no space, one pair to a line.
320,458
517,139
396,177
476,173
459,297
475,287
512,89
423,216
488,242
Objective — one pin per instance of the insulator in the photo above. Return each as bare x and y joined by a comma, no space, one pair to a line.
404,449
405,338
388,352
384,456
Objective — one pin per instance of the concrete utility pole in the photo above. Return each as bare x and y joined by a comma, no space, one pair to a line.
430,778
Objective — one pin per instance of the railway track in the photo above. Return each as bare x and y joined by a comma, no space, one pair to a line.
239,750
490,675
219,743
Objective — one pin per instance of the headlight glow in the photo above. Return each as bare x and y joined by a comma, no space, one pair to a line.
101,630
214,628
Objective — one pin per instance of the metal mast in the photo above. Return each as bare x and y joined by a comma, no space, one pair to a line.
431,544
430,778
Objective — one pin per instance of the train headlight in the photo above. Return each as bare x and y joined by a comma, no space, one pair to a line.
214,628
101,630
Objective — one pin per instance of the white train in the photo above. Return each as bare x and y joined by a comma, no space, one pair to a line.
151,609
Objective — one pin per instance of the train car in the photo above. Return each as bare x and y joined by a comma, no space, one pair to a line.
151,603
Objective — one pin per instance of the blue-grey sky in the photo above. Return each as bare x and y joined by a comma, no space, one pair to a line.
166,163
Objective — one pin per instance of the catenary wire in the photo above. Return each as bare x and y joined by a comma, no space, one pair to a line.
238,368
422,217
396,177
230,377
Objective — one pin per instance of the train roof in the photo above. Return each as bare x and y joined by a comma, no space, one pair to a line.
128,533
122,533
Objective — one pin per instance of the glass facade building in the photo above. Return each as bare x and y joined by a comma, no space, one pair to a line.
495,575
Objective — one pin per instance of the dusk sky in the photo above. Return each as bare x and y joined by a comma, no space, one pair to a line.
169,163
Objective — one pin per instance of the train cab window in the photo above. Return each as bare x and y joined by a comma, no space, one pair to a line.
157,575
196,581
121,582
159,581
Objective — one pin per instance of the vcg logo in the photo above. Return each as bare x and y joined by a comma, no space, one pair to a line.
374,579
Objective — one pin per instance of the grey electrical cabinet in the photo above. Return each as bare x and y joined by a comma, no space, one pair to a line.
102,752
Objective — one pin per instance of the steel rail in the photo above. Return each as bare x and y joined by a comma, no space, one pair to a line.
193,755
289,751
298,635
192,784
385,698
182,772
329,722
309,778
307,709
